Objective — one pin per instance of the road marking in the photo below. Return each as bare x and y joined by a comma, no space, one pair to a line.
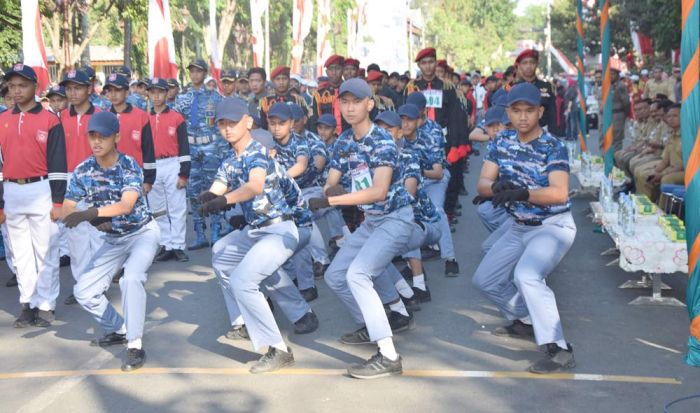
472,374
659,346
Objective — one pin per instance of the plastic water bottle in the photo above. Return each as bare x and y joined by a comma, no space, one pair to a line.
621,209
586,164
629,217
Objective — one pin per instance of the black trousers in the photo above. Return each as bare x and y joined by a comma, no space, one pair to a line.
455,185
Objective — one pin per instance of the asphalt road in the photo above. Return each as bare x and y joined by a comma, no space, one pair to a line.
629,357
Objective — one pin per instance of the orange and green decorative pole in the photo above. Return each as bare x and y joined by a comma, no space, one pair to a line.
581,84
606,132
690,136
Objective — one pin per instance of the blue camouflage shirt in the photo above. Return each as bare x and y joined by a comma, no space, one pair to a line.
529,165
99,187
437,140
355,158
100,102
198,106
234,172
424,148
317,149
137,100
423,208
292,194
287,156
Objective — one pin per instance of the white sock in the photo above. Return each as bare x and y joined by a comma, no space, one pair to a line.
404,289
419,282
386,347
281,346
122,330
399,307
526,320
134,344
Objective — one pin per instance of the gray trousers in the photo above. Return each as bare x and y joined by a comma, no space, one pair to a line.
496,235
428,234
244,260
134,252
530,253
317,245
436,192
491,217
363,260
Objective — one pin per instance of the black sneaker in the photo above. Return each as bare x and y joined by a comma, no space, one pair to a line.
411,304
273,360
400,322
360,336
517,329
110,339
164,255
12,282
422,296
556,359
64,261
238,333
180,256
43,318
451,268
307,324
70,300
377,366
135,357
319,269
309,294
26,317
428,254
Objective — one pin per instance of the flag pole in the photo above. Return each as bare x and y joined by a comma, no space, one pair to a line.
581,84
606,132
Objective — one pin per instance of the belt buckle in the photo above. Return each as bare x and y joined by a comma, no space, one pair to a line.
22,181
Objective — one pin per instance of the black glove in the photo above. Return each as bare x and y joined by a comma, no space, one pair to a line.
478,200
72,220
206,196
512,195
318,203
216,204
237,222
103,224
336,190
503,185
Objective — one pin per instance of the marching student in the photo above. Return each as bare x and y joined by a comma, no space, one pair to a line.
33,152
172,153
110,184
57,99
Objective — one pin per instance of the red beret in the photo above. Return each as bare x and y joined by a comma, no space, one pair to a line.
442,63
374,75
427,52
334,60
527,53
280,70
499,75
349,61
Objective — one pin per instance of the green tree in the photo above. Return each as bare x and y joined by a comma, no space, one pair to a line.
10,32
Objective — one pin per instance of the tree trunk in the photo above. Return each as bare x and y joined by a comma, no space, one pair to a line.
127,43
84,30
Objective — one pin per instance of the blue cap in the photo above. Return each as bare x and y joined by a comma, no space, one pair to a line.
297,111
20,69
228,75
173,83
389,117
76,76
89,71
231,108
281,111
356,87
327,119
124,71
56,90
104,123
524,92
418,99
410,111
493,115
117,80
263,137
500,98
505,119
199,63
157,83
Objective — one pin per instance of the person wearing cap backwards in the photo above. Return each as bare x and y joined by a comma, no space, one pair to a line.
173,91
110,184
198,106
381,103
251,256
83,240
172,152
527,171
280,81
134,127
526,68
57,99
32,186
134,99
351,68
228,83
98,101
325,99
368,155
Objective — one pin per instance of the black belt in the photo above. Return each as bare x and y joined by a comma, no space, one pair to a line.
272,221
529,222
28,180
166,157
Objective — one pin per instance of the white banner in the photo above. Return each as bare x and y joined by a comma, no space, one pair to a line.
161,46
33,43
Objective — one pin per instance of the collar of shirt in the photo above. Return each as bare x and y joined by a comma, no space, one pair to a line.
90,110
36,109
127,110
166,110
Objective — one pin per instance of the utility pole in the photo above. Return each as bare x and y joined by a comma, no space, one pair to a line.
548,41
267,39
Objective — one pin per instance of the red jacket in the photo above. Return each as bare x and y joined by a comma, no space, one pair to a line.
170,138
75,128
136,140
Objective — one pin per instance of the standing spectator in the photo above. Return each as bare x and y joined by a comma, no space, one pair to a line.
572,110
660,86
677,85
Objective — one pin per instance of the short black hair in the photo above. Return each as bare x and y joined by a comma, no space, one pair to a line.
384,72
258,70
672,106
4,90
394,75
509,71
373,66
491,78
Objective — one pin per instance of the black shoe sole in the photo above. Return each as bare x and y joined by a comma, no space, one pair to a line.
198,247
287,364
560,369
132,367
95,343
376,376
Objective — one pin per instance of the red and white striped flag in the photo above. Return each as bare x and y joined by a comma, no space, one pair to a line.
161,46
214,58
257,9
33,43
302,15
323,32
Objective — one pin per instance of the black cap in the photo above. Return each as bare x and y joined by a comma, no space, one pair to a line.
157,83
124,71
228,75
56,90
20,69
89,71
231,109
117,80
199,63
76,76
281,111
389,117
173,83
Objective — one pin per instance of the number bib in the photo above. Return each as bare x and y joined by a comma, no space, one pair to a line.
361,178
433,98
